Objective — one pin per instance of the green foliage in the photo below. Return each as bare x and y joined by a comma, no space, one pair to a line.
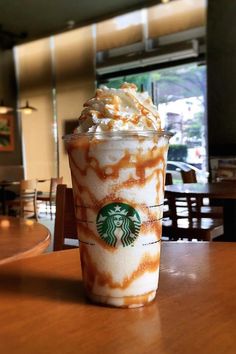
171,84
4,141
140,80
4,133
4,127
194,130
177,152
180,82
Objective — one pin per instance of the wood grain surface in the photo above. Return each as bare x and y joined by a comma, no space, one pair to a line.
44,310
20,238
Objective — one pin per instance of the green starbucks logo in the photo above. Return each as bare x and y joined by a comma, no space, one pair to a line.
118,223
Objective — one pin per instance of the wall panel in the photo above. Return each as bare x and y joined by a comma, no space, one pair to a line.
175,16
35,84
75,82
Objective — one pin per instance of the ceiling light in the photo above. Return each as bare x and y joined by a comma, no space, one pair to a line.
27,109
165,1
4,109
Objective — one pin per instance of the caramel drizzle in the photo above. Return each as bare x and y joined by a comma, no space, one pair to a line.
92,273
84,229
149,160
97,204
154,227
131,182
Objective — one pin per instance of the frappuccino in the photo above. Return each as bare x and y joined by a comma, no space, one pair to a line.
117,159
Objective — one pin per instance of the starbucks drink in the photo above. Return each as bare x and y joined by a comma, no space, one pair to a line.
117,159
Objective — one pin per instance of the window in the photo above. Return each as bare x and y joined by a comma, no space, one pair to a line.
180,95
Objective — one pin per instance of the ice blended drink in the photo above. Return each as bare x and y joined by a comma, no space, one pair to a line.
117,159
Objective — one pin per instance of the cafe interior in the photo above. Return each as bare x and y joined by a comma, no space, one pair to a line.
53,56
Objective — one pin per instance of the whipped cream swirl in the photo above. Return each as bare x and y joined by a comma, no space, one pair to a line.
119,109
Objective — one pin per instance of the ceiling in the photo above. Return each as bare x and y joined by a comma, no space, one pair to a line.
25,20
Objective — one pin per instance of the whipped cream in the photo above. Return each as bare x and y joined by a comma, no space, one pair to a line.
119,109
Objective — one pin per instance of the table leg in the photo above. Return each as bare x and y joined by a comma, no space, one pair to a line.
229,220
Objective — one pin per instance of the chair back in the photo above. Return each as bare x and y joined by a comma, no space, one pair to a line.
189,176
192,224
169,179
65,222
193,204
28,184
53,186
28,197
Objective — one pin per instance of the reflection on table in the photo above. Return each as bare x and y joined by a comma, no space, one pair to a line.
21,238
43,304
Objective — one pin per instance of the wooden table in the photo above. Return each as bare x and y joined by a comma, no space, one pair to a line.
225,193
20,238
226,179
43,308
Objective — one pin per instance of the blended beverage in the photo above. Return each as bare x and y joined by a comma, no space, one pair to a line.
117,159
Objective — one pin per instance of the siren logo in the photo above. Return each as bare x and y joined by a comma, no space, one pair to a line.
118,223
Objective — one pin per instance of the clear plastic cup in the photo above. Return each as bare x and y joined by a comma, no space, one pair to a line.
118,183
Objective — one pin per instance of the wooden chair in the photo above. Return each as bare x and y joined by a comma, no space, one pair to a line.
193,225
25,205
169,179
189,176
181,203
207,209
50,197
65,234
